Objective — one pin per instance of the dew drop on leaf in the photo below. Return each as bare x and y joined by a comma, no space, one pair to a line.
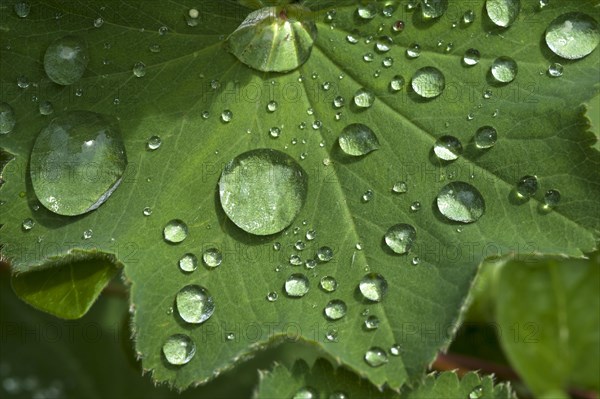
63,154
504,69
153,143
325,254
503,12
188,263
328,284
471,57
413,50
551,199
87,234
296,285
527,186
295,260
364,98
262,191
476,393
27,224
306,393
139,69
7,118
433,8
368,11
372,322
335,309
147,211
447,148
373,287
175,231
179,349
398,26
226,116
400,238
400,187
272,106
273,39
555,70
485,137
65,60
395,350
573,35
338,395
22,9
384,44
272,296
468,17
460,202
194,304
46,108
376,357
358,139
428,82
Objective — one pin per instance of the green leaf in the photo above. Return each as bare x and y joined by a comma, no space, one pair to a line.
65,291
548,311
540,124
324,380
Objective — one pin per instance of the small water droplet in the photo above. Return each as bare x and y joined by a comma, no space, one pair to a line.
447,148
147,211
272,296
364,98
306,393
504,69
139,69
296,285
328,284
188,263
368,11
486,137
433,8
325,254
468,17
373,287
573,35
397,83
413,50
460,202
400,238
400,187
163,30
65,60
45,108
311,235
551,199
384,44
272,106
476,393
212,257
415,206
357,139
153,143
335,309
295,260
22,9
428,82
555,70
226,116
415,260
376,357
175,231
194,304
372,323
471,57
28,224
179,349
527,187
395,350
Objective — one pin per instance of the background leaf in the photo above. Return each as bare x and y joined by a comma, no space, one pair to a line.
540,123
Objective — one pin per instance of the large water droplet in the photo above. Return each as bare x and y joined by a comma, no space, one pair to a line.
504,69
296,285
527,186
335,309
573,35
179,349
7,118
274,39
175,231
447,148
400,238
77,162
460,202
262,191
373,287
433,8
364,98
503,12
358,139
65,60
194,304
376,357
428,82
486,137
